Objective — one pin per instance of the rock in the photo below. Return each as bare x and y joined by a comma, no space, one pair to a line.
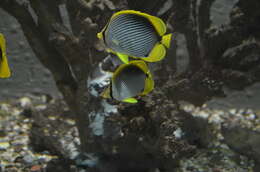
243,140
25,102
4,145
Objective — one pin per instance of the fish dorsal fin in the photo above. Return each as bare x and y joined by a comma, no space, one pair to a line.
130,100
158,24
166,40
157,53
118,70
4,69
141,64
123,57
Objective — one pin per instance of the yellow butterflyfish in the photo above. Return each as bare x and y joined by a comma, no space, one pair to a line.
135,34
129,81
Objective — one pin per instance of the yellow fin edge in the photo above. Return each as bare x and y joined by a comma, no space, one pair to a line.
123,57
4,67
166,40
157,53
130,100
158,24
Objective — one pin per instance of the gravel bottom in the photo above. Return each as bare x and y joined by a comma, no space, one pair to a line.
17,155
15,124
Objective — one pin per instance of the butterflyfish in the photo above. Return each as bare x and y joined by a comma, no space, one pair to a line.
129,81
4,68
135,34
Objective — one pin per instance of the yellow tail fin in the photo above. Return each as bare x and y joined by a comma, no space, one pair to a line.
166,40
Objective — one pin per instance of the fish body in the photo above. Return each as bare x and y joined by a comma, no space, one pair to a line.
4,68
130,80
135,34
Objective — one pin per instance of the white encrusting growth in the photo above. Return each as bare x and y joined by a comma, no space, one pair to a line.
96,119
166,6
96,123
178,133
100,81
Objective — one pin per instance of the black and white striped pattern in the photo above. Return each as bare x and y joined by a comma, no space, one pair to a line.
128,83
131,34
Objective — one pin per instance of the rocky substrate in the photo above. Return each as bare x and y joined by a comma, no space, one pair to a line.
38,134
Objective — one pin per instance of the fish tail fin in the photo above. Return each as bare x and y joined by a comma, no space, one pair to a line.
166,40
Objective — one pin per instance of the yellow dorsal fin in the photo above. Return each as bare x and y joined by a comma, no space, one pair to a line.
118,70
123,57
4,68
157,53
130,100
166,40
141,64
158,24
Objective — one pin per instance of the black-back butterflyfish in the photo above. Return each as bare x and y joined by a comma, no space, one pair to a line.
135,34
129,81
4,68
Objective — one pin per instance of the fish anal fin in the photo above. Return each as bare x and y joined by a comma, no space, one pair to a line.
166,40
157,53
130,100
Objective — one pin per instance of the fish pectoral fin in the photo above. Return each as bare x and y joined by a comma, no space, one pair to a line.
106,93
166,40
157,53
123,58
130,100
100,35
